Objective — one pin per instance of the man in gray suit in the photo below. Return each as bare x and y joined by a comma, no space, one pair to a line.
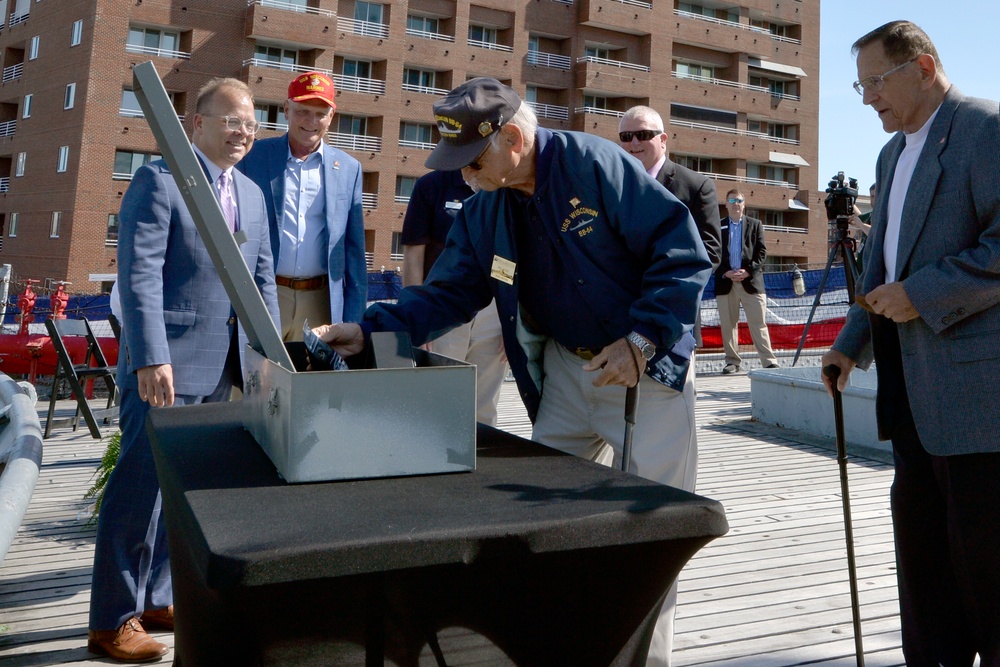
932,287
181,347
313,193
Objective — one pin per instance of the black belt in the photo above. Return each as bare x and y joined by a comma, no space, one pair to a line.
316,282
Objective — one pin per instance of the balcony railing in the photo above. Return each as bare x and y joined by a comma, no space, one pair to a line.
137,113
354,142
121,176
17,19
550,111
292,7
402,199
279,127
599,111
396,256
721,129
491,45
783,228
552,60
369,260
369,200
364,28
732,84
162,53
359,84
424,89
613,63
636,3
419,145
747,179
423,34
564,2
739,26
264,62
7,129
13,72
4,184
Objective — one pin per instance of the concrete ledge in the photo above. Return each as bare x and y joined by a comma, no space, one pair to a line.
794,398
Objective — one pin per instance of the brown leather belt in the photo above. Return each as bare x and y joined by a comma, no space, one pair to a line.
316,282
585,353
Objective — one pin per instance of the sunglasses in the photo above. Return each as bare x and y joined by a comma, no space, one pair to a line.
475,165
641,135
735,200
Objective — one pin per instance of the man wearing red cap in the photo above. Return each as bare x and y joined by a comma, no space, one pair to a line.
314,211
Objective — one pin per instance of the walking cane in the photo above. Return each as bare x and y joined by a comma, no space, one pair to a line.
833,372
631,406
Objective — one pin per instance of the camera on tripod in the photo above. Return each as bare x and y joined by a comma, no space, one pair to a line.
840,200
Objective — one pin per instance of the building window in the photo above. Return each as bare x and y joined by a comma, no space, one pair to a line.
54,225
33,48
692,71
26,107
369,12
270,116
12,227
597,52
397,247
111,239
153,41
63,159
416,134
358,68
77,36
421,24
276,56
127,162
482,34
418,79
404,188
347,124
70,96
695,163
22,157
595,102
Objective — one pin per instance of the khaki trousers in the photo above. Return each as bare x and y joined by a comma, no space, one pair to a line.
755,308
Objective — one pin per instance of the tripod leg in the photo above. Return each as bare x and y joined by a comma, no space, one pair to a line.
812,312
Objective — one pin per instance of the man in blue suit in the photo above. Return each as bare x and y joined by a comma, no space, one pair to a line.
313,193
181,347
932,287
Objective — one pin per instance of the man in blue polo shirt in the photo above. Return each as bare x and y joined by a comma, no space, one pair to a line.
597,272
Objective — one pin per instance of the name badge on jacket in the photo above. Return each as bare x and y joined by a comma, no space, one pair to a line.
503,269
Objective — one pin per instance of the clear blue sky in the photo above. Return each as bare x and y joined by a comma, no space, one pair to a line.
850,134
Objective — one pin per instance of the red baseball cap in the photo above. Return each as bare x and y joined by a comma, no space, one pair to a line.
312,86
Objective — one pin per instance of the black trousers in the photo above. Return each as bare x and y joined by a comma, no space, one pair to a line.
946,519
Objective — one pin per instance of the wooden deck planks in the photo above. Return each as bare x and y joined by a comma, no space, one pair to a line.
772,592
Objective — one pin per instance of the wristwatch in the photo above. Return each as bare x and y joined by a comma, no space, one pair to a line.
646,349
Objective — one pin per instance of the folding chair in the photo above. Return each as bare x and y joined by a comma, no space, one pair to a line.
94,367
116,327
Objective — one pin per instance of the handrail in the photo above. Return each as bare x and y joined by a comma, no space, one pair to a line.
301,9
490,45
425,34
733,24
553,60
264,62
732,84
613,63
731,130
20,456
152,51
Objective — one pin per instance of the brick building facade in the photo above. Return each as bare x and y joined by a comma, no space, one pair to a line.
737,83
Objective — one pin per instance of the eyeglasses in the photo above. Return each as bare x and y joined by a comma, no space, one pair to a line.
641,135
876,82
234,123
735,200
474,165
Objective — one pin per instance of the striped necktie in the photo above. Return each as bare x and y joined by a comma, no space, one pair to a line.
226,199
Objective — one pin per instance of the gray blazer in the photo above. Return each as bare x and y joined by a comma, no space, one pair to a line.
176,310
345,221
949,262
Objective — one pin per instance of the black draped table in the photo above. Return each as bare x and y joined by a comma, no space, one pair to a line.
554,560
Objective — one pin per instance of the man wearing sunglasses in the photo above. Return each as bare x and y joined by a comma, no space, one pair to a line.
181,347
739,281
597,272
641,135
931,288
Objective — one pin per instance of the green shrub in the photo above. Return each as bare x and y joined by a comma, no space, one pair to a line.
102,473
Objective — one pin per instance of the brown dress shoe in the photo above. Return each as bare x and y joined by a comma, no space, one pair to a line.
160,619
129,643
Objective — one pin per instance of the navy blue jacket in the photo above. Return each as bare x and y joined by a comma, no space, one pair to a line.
637,262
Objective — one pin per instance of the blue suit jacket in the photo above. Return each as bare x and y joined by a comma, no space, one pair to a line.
949,262
176,310
345,223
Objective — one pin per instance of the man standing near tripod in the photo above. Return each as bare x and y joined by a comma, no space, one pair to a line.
932,288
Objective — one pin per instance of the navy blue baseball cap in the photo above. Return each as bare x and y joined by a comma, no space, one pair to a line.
466,119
